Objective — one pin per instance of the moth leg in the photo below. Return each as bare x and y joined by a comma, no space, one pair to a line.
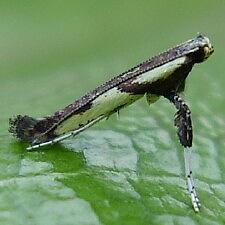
184,130
58,139
65,136
183,121
190,180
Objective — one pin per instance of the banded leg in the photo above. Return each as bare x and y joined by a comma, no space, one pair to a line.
65,136
184,131
190,180
183,121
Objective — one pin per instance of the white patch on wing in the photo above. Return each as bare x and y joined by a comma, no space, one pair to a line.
102,105
160,72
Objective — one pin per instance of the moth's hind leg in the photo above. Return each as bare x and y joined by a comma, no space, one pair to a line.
67,135
185,133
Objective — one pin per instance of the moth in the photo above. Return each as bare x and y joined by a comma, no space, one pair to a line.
160,76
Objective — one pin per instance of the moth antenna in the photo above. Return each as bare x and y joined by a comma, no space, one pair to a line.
22,127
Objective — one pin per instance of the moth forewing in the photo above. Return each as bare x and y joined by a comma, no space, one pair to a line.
105,104
114,98
160,72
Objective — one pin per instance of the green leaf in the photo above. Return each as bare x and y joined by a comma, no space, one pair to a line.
128,169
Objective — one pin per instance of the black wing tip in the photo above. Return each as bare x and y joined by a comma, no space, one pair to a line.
22,126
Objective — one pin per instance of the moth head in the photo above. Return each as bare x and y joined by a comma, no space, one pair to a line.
205,48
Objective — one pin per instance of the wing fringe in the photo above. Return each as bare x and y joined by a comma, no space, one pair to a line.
22,127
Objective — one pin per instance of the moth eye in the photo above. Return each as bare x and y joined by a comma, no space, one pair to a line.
208,50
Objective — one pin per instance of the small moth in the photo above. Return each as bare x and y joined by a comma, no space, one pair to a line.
162,75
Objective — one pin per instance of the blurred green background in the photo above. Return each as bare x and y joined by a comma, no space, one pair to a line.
127,170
